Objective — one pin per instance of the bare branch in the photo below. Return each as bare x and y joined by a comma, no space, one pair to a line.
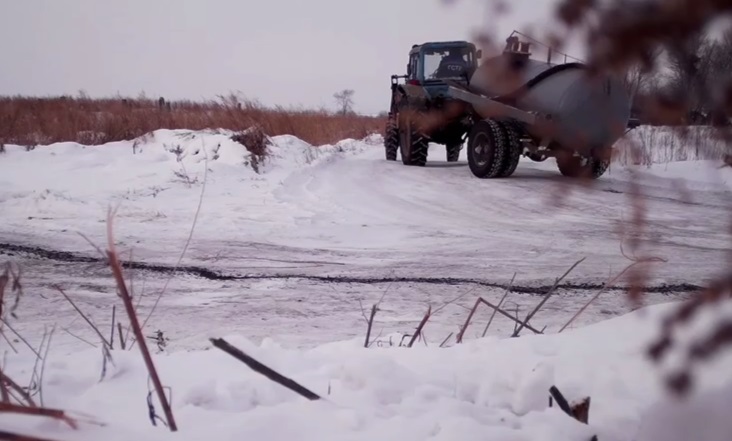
546,297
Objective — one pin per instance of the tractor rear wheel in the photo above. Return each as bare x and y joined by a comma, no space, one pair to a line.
514,148
453,151
581,167
391,140
487,148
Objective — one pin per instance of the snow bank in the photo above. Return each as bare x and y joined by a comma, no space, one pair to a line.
155,181
482,389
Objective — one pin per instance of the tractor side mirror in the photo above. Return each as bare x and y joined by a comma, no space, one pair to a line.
409,68
479,54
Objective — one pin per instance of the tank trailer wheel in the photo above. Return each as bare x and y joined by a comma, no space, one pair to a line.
391,140
453,151
582,167
514,148
487,148
413,146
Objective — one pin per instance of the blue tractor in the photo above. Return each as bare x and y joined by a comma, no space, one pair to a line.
421,110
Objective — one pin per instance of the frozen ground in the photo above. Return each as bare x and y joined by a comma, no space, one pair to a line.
267,239
486,389
289,255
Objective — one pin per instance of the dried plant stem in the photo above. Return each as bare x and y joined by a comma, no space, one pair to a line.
20,337
444,342
464,328
185,247
546,297
4,394
43,364
493,314
111,335
39,411
418,331
137,309
79,338
16,387
116,268
10,343
516,320
607,286
370,325
121,337
86,319
10,436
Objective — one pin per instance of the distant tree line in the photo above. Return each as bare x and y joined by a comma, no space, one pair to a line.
694,75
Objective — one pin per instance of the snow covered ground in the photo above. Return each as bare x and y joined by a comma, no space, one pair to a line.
290,254
487,389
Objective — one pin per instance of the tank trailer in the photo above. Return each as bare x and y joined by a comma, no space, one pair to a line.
510,105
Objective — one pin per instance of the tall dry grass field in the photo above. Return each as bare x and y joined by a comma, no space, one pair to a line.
34,121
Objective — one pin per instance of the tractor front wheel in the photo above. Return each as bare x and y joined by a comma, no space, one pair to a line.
413,146
391,140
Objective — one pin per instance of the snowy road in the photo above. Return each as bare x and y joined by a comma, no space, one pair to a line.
340,212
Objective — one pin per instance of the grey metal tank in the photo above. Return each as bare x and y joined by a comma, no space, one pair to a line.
590,111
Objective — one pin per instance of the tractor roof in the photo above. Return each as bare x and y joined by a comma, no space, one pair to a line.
440,44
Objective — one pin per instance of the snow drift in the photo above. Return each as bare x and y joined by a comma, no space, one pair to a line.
341,210
484,389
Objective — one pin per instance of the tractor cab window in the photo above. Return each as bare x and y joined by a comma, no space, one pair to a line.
413,64
447,63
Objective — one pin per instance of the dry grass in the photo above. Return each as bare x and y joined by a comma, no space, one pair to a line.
38,121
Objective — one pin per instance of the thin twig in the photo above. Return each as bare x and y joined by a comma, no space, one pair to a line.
420,326
111,335
546,297
66,330
121,337
39,411
185,247
607,286
11,436
43,364
4,394
446,339
460,335
449,302
20,337
493,314
137,310
370,325
135,325
264,370
34,374
86,319
10,343
516,320
16,387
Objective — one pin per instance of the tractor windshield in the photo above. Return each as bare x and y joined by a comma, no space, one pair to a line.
447,63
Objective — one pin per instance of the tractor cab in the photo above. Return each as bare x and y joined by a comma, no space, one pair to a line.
432,63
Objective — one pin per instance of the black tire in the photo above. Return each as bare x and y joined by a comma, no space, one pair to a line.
486,149
582,167
391,140
512,135
453,151
413,146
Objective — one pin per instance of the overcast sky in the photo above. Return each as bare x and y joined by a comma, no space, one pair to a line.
281,52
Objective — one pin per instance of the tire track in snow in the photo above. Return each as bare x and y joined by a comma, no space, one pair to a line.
209,274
